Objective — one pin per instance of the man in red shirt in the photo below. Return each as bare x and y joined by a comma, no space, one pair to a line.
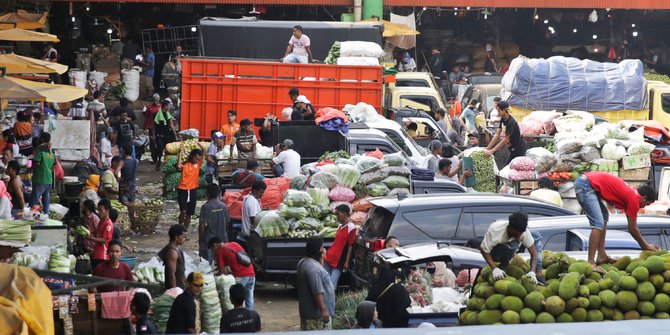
149,113
103,235
334,262
113,268
228,262
593,190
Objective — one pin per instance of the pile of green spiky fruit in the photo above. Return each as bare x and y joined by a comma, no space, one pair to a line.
657,77
630,289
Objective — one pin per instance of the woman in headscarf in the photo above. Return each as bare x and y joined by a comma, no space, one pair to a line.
391,297
23,131
366,316
5,202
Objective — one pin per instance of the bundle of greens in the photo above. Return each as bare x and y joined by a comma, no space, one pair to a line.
15,231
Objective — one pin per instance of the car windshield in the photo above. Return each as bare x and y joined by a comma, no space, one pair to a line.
378,222
423,151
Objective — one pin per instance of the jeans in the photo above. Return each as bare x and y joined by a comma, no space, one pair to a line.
504,252
129,195
591,203
295,59
41,191
248,283
334,273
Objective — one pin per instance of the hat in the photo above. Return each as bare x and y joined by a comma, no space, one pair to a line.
245,122
111,130
196,278
168,100
473,133
302,98
503,105
218,134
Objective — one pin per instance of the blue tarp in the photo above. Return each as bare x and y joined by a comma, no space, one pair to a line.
564,83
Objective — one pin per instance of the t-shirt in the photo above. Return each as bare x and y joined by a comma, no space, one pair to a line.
313,279
344,239
240,320
615,191
182,314
250,207
43,173
144,326
189,176
547,195
106,148
246,178
109,182
125,131
511,129
162,122
149,114
454,138
469,115
229,130
245,141
211,151
497,234
214,215
105,230
105,270
433,163
443,126
129,172
226,256
290,161
300,44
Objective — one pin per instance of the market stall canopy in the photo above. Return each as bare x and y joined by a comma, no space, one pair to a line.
23,35
15,64
22,19
395,29
20,89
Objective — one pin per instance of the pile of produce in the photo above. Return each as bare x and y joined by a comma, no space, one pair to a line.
630,289
657,77
123,221
61,261
345,308
210,306
223,284
161,308
171,177
483,171
15,231
151,272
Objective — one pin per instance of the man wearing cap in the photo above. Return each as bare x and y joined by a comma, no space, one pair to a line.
310,113
299,108
245,141
285,161
511,135
229,129
108,146
182,312
215,146
473,139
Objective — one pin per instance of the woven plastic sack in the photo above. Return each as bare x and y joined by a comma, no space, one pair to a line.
543,158
374,176
396,182
641,148
395,159
310,224
272,224
378,189
366,163
522,163
341,193
292,212
399,171
330,168
568,147
348,175
298,182
319,194
328,179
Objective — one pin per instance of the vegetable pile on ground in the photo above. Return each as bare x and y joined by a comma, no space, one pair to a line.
151,272
630,289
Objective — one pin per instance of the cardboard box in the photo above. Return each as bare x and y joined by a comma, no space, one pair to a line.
635,174
635,162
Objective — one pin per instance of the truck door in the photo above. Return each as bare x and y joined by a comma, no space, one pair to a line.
659,104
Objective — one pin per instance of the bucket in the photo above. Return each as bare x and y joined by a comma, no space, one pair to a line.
72,190
130,260
77,78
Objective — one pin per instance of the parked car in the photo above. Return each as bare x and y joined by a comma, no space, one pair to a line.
449,218
654,228
578,240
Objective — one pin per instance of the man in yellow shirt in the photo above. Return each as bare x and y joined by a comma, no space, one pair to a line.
546,193
230,128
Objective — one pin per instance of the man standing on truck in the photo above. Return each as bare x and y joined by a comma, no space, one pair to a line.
316,295
286,162
594,188
502,241
229,129
511,135
245,141
298,50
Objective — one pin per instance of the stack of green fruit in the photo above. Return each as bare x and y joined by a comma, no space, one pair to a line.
630,289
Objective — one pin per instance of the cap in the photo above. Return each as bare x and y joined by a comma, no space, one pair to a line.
110,130
218,134
196,278
302,98
503,105
245,122
473,133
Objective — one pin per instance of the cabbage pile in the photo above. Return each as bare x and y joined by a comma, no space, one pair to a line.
210,306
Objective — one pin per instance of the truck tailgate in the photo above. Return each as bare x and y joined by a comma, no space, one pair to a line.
280,255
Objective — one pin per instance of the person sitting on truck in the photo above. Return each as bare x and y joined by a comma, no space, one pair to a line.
502,240
229,129
245,141
215,147
300,108
511,135
592,188
310,113
411,129
285,162
113,268
338,257
298,50
246,178
547,193
405,62
228,262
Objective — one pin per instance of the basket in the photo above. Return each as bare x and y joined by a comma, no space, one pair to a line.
144,218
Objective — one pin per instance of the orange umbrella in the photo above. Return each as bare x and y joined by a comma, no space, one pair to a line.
20,89
22,19
15,64
23,35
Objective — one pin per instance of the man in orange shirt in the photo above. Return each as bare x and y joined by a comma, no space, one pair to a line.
230,128
187,191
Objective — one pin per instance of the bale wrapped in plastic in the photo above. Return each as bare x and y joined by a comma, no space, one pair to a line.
319,194
288,212
393,182
367,163
395,159
348,175
298,182
374,176
273,225
398,171
522,163
378,189
296,198
310,224
341,193
328,179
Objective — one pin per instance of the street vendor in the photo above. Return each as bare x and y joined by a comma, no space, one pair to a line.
502,241
593,190
15,188
113,268
245,141
511,135
110,179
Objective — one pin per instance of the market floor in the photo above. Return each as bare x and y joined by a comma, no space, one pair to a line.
276,303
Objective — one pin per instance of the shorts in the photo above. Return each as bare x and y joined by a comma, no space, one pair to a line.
187,200
591,203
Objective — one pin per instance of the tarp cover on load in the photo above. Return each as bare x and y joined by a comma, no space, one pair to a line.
565,83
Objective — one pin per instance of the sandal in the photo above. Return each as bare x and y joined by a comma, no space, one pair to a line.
610,260
598,269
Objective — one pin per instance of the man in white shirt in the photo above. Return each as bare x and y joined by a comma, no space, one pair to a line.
106,145
298,50
502,241
97,106
251,206
286,162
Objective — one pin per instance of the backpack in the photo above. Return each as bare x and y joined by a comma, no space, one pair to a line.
242,256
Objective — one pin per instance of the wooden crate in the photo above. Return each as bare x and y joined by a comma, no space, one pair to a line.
635,175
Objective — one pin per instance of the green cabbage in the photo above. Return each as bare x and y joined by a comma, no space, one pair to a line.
396,182
378,190
295,198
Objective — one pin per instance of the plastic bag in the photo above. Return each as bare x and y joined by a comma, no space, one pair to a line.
589,154
613,151
545,118
287,212
298,182
641,148
395,159
295,198
396,182
376,154
362,205
399,191
543,158
348,175
341,193
365,164
330,168
528,128
521,175
568,147
522,163
374,176
378,189
319,194
399,171
308,169
310,224
328,179
273,224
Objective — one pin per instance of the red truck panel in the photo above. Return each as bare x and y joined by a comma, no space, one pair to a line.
211,87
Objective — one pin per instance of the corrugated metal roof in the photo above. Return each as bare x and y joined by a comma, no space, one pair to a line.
593,4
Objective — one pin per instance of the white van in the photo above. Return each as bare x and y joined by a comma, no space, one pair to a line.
398,134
